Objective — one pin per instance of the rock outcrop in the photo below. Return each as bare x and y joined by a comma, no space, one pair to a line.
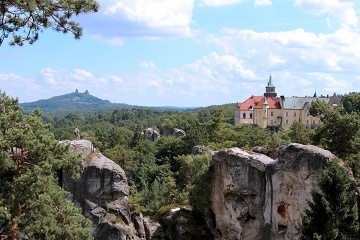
253,196
102,193
151,134
256,197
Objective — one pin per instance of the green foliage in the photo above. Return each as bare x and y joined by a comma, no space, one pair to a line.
167,149
339,133
251,135
200,193
31,201
299,134
195,134
332,214
23,20
280,138
351,102
191,168
318,108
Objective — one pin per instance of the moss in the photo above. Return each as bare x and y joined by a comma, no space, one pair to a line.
165,210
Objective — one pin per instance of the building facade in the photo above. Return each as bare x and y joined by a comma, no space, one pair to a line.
281,112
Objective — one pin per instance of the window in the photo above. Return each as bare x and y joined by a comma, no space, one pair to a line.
294,114
272,122
287,122
287,114
272,114
244,115
250,115
307,121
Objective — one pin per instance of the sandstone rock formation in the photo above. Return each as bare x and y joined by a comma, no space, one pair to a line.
151,134
179,132
256,197
102,192
253,196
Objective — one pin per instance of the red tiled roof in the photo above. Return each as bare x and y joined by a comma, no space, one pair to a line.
251,101
272,103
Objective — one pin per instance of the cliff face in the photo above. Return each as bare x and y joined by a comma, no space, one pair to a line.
102,193
256,197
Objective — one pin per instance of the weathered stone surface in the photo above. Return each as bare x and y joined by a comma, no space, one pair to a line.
256,197
102,185
183,224
179,132
151,134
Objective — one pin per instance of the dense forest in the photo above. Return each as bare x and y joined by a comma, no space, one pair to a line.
166,172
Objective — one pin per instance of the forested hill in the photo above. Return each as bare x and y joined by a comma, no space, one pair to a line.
74,102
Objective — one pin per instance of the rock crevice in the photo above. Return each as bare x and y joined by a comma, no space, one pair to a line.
256,197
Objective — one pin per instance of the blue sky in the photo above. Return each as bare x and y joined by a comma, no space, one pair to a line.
193,53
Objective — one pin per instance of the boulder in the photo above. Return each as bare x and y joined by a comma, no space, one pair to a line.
256,197
179,132
151,134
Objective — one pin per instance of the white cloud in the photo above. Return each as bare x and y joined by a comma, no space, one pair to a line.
147,64
81,75
17,86
296,49
263,2
218,3
332,84
119,19
342,10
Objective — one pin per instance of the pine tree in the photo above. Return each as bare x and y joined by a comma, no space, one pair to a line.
32,205
332,214
24,20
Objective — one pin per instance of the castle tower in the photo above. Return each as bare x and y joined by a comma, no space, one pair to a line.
270,90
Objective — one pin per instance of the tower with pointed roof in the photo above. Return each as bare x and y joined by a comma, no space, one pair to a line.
270,89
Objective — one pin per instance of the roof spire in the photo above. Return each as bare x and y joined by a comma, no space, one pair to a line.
315,94
270,82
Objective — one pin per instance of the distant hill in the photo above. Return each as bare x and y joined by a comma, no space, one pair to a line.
83,103
73,102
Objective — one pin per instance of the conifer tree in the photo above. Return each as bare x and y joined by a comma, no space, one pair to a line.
24,20
32,205
332,214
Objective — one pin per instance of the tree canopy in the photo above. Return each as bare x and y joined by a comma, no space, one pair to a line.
32,204
23,20
351,102
332,213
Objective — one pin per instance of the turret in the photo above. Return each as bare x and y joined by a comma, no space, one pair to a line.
270,89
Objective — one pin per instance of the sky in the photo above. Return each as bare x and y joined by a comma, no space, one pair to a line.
193,53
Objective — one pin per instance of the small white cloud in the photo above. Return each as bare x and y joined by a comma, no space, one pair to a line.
147,64
276,60
49,76
81,75
219,3
304,82
263,2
